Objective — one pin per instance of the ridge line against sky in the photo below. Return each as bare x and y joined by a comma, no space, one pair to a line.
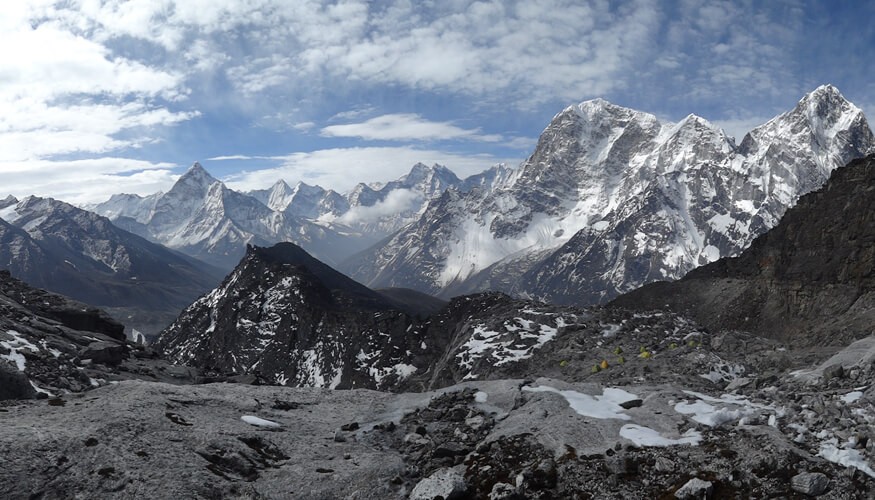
107,96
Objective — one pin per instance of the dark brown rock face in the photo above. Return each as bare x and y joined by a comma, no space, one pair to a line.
810,279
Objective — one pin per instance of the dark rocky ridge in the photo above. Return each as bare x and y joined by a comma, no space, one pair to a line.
287,318
810,280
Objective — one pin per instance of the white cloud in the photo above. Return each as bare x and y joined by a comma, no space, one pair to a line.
234,157
62,91
341,169
85,181
352,114
397,201
303,126
406,127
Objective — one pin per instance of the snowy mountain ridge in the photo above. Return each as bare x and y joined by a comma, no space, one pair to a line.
613,198
202,217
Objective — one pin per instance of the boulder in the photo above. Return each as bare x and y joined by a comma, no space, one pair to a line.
444,483
106,353
14,384
695,489
810,483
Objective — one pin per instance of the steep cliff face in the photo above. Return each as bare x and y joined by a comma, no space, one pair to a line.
811,279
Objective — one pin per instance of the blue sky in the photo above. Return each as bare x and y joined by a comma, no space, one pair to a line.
105,96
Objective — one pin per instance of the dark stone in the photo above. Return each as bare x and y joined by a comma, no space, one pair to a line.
450,449
634,403
106,353
14,384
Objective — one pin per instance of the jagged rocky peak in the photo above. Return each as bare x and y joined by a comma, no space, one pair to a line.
362,195
8,201
822,120
421,174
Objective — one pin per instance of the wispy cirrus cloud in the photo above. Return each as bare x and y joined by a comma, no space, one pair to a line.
406,127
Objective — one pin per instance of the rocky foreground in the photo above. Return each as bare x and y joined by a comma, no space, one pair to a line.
743,432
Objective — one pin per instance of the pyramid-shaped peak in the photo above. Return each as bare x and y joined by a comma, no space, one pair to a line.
696,121
196,177
198,172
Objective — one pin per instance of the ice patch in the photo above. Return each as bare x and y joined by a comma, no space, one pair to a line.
707,414
645,436
852,396
724,373
603,407
40,389
849,458
711,253
259,422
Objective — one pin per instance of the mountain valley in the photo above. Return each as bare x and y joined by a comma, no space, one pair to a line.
641,309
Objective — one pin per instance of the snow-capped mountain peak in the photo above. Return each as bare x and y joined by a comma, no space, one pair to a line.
197,175
8,201
613,198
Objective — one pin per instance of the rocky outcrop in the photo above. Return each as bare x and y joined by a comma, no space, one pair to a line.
810,280
51,345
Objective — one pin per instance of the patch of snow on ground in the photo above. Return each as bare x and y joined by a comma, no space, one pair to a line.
259,422
724,373
645,436
713,416
610,330
603,407
504,347
15,346
849,458
401,371
480,396
852,396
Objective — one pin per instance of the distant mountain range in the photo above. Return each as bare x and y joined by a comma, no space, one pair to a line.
53,245
203,218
